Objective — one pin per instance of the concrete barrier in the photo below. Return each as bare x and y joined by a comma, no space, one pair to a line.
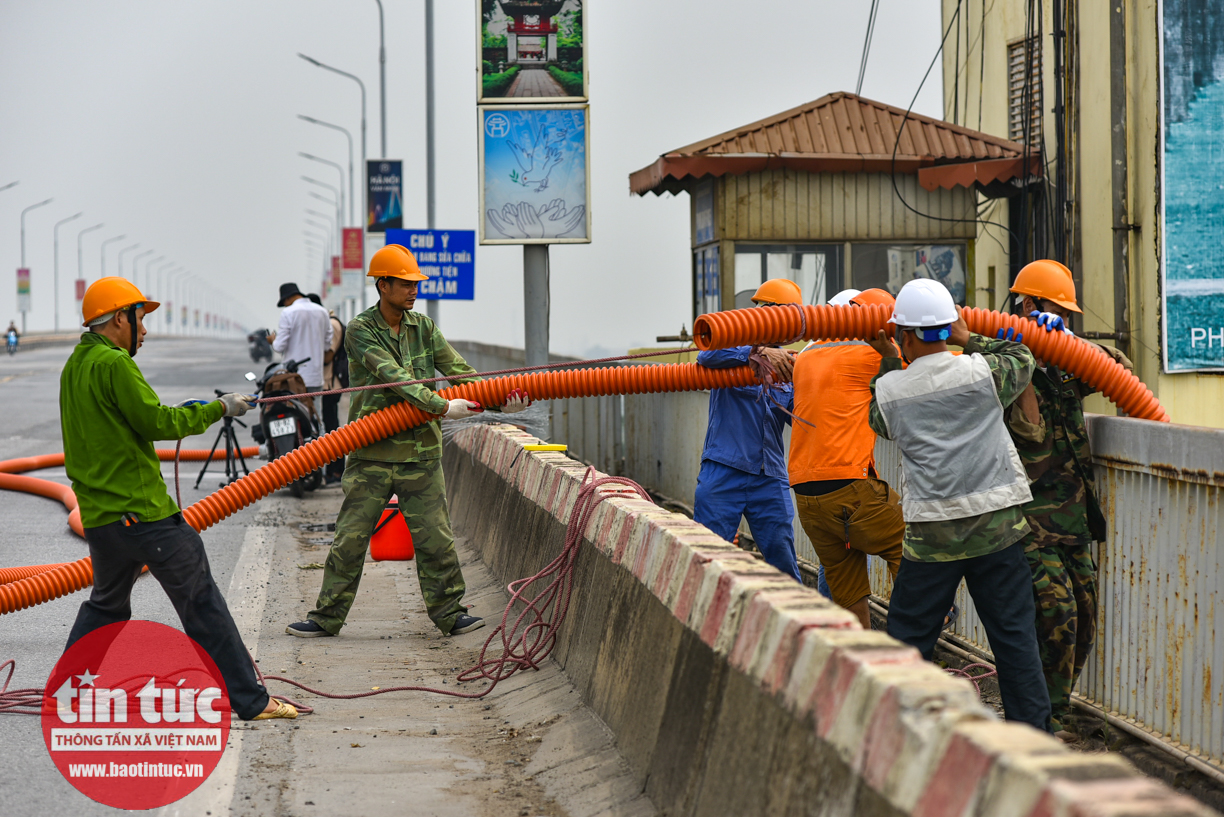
732,690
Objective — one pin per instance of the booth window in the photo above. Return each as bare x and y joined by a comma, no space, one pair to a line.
889,266
707,292
816,268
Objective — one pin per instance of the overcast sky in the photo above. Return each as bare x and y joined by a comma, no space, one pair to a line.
175,124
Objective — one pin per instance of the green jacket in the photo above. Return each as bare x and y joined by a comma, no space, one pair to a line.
1011,365
1058,511
377,355
110,418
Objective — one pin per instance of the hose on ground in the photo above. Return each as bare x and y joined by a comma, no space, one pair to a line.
739,327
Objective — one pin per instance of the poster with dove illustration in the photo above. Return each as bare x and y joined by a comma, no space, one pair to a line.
534,175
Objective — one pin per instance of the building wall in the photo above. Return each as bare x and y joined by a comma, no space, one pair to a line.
1196,399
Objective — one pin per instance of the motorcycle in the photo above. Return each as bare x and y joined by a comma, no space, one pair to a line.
12,343
259,347
286,424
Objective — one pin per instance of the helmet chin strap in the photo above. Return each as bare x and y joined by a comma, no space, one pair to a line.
131,313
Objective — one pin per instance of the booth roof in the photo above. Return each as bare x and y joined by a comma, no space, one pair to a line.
844,133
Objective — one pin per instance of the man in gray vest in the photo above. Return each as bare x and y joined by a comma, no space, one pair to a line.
963,487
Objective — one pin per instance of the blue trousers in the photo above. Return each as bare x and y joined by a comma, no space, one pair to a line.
725,493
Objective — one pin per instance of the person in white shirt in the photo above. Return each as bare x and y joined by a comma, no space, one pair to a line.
305,331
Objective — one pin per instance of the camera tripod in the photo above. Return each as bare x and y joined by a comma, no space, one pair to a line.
233,451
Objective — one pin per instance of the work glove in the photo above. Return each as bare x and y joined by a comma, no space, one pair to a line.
1051,322
1010,334
237,405
461,409
516,401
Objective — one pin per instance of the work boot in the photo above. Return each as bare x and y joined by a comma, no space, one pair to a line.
466,623
306,629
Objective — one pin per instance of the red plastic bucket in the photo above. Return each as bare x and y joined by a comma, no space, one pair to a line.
392,541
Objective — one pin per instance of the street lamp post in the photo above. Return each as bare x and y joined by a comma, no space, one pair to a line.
81,256
119,258
23,256
55,286
339,203
149,274
349,136
340,170
103,251
382,78
135,269
7,186
169,317
365,206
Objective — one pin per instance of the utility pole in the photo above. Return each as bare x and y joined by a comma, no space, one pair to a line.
432,306
23,258
55,287
81,257
535,303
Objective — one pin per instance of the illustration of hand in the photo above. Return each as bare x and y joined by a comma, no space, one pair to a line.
570,221
505,222
552,211
529,221
558,221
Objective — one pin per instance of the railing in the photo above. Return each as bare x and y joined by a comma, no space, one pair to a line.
1158,660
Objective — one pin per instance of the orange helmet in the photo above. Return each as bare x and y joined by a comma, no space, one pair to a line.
874,296
394,261
1049,280
778,291
111,294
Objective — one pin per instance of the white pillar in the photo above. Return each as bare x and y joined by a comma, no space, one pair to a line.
552,47
511,48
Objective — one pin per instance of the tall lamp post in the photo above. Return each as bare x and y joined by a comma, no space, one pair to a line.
149,273
168,317
81,256
365,208
103,251
349,136
55,286
135,267
7,186
128,248
382,77
340,170
23,257
433,305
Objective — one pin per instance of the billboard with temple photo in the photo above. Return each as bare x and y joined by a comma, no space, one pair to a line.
532,50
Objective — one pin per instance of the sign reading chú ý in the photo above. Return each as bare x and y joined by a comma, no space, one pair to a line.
353,246
135,715
448,257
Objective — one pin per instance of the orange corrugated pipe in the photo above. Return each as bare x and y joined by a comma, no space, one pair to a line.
22,587
739,327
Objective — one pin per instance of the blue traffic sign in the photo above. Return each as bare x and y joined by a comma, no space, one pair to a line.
448,257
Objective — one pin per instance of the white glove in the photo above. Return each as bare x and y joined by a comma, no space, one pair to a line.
237,405
516,401
461,409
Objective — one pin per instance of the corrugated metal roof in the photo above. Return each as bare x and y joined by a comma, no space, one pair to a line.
840,132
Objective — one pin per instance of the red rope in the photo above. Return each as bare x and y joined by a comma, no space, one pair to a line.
963,672
525,641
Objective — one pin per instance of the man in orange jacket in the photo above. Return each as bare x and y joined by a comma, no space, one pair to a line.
845,508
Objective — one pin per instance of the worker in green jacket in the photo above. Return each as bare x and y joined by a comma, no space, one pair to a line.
110,418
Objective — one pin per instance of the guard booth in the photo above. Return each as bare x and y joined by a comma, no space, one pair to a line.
836,194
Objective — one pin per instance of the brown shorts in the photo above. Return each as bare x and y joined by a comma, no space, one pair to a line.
866,514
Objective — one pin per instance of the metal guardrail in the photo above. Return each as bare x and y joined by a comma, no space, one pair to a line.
1158,661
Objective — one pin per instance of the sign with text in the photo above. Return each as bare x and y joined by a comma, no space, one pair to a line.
448,257
336,275
80,289
353,240
23,290
534,177
1193,179
384,194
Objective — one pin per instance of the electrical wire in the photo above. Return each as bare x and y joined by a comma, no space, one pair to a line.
871,21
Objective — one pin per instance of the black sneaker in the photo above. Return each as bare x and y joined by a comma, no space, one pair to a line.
466,623
306,629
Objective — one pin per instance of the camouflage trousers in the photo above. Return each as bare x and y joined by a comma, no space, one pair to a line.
1065,592
421,489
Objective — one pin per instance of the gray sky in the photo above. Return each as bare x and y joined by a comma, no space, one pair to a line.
175,124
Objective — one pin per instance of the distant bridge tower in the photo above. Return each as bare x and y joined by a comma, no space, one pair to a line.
531,34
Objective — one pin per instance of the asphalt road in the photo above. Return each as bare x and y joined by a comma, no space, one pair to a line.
35,531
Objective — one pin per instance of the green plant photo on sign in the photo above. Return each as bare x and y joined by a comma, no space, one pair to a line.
532,50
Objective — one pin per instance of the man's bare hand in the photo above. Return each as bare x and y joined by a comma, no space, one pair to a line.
780,359
958,333
884,345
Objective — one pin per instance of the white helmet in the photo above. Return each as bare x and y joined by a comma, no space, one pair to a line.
843,298
925,303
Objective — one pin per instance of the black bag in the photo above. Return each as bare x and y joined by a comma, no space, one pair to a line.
339,362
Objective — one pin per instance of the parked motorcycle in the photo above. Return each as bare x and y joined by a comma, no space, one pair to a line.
259,348
286,424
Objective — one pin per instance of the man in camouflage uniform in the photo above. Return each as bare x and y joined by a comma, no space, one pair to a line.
963,487
1047,426
389,343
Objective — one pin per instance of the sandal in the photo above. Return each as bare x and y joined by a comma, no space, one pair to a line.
951,617
283,710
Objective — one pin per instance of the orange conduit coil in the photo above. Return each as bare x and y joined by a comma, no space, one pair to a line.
22,587
741,327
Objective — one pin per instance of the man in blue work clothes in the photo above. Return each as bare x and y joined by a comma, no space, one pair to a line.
743,464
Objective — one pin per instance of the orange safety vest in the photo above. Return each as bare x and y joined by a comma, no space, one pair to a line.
832,391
